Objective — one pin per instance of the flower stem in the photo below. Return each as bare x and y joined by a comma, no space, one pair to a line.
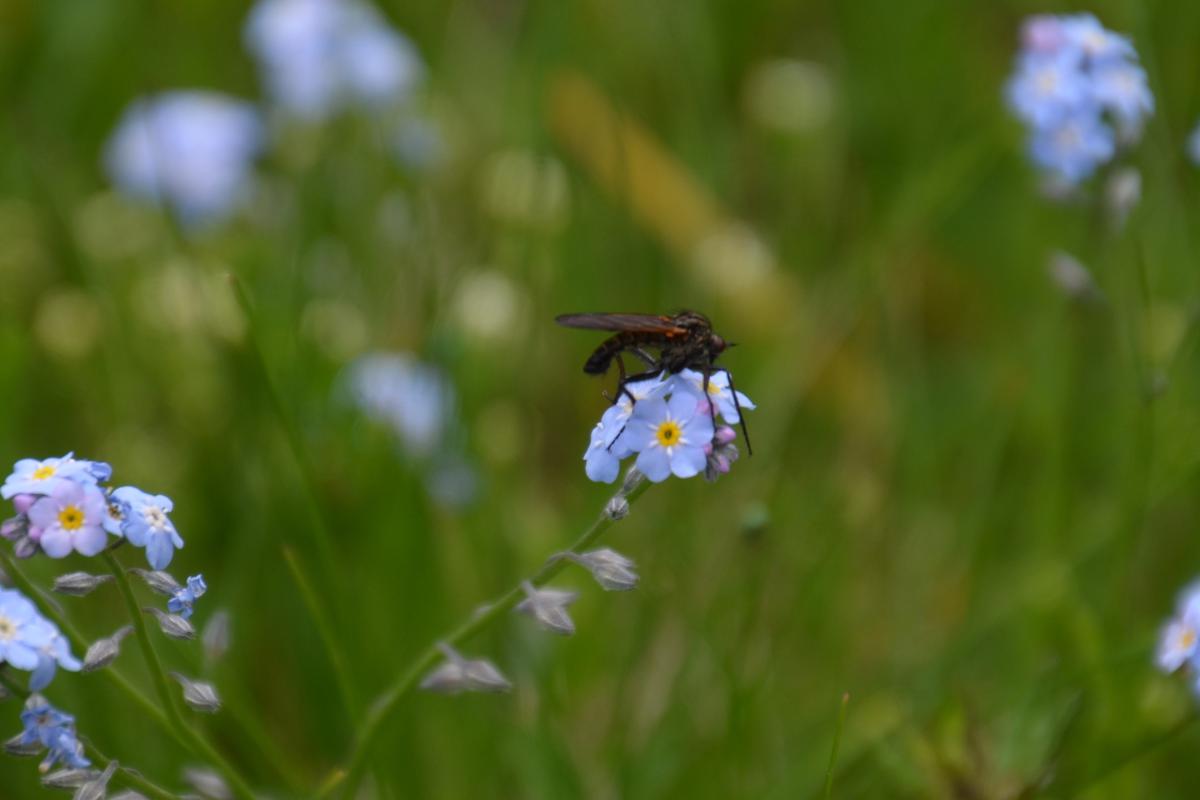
196,742
837,741
386,703
133,778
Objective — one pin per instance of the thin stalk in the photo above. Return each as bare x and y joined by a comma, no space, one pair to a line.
837,741
197,742
325,630
133,778
386,703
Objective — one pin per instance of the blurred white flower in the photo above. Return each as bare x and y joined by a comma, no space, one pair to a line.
788,96
190,150
318,56
413,398
522,187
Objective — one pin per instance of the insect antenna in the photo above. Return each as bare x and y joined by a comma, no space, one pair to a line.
738,407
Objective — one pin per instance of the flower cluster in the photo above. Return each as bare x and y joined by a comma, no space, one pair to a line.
1081,92
46,728
192,151
318,56
669,422
1179,643
62,507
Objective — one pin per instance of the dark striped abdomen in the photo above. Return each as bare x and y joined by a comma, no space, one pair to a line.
601,358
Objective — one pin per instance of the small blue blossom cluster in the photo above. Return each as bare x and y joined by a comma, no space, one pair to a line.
63,507
1081,92
670,424
192,151
47,728
1179,642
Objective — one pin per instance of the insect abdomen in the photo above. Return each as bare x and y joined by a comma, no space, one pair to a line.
601,358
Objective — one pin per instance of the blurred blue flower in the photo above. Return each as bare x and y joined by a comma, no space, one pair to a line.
413,398
30,476
147,524
1193,145
189,150
669,437
184,601
70,518
1074,80
1073,148
318,56
55,653
22,632
46,726
1179,641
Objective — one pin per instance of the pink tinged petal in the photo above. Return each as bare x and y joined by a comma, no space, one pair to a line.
35,533
687,462
44,513
22,502
654,463
56,543
90,541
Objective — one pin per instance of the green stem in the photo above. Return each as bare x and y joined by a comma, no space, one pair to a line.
131,777
161,684
384,705
837,741
325,630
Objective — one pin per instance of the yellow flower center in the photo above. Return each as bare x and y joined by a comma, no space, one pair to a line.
8,629
1187,638
70,518
43,472
668,433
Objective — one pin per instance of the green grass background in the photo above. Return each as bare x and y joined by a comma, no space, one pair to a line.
972,500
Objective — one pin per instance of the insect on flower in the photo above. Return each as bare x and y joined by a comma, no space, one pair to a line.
664,343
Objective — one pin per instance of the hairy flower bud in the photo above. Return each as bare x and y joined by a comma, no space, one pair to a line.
207,783
549,608
216,636
198,694
79,584
617,507
97,788
172,625
159,581
611,570
458,674
105,651
69,778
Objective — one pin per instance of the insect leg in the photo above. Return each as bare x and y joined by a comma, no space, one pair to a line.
738,407
654,372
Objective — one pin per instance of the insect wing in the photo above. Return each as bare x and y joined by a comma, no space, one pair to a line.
641,323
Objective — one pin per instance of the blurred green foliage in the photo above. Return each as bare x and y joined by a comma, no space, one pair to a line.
971,501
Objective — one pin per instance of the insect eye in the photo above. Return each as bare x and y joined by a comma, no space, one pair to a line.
718,343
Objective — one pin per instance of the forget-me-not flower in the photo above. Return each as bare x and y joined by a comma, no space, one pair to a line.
319,56
719,393
413,398
1074,83
70,518
669,437
147,524
22,632
184,600
55,653
602,459
33,477
1179,642
189,150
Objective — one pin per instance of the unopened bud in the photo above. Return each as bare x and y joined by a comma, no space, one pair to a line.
458,674
23,502
611,570
207,783
17,746
549,608
105,651
25,547
199,695
617,507
78,584
97,788
633,479
159,581
14,528
216,636
69,778
724,435
172,625
1073,278
1123,193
